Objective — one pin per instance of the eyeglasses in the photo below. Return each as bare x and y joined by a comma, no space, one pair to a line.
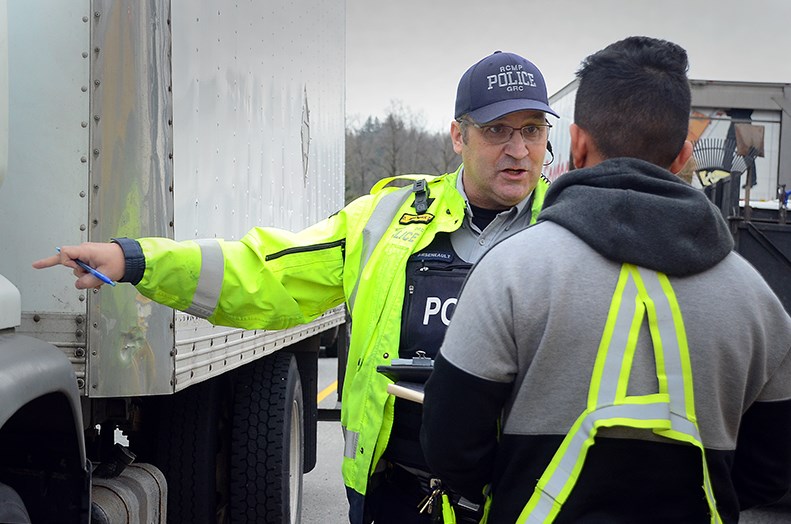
500,134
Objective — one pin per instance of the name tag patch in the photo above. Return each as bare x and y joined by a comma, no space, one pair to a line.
425,218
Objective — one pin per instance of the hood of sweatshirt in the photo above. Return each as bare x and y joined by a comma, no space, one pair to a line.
629,210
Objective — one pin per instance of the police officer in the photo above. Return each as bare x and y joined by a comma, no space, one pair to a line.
397,257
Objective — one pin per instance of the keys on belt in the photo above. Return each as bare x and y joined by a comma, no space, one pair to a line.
432,501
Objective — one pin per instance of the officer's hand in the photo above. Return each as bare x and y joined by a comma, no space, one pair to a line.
107,258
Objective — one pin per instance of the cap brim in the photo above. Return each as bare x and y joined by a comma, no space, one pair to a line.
497,110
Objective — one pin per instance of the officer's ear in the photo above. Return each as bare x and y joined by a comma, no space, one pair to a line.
456,136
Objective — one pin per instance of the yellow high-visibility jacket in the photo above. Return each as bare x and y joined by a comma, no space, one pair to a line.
274,279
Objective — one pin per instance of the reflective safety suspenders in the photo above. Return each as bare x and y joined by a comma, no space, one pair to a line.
669,413
448,515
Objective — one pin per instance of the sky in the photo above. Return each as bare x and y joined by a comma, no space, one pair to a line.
410,54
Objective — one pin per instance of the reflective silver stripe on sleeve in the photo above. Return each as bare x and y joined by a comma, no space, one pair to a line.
212,269
375,229
350,439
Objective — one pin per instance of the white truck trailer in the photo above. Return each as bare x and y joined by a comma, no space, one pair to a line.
184,119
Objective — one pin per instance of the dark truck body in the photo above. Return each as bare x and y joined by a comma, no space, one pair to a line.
762,235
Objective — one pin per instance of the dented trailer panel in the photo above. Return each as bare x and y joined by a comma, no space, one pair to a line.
184,119
258,140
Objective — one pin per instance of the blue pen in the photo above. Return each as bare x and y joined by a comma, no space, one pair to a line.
98,274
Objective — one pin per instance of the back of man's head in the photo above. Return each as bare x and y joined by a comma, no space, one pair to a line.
634,99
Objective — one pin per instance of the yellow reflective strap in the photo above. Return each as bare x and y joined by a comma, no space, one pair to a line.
640,295
487,505
656,337
547,500
691,436
606,338
651,398
713,513
681,333
631,346
541,486
448,515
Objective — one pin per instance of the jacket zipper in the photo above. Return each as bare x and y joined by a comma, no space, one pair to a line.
313,247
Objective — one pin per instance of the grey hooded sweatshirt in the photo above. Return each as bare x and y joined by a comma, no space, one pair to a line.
514,369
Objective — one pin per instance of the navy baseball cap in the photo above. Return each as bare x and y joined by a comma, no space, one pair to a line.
499,84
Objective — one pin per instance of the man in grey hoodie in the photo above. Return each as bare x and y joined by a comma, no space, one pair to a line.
617,362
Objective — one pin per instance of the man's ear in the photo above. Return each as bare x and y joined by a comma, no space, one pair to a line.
580,144
455,136
682,158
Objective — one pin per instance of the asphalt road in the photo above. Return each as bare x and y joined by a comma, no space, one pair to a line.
324,497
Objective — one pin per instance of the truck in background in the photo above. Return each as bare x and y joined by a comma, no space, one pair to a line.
183,119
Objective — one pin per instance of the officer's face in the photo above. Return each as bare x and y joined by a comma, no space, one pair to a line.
500,175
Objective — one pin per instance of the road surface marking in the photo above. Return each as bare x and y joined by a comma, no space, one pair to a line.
324,393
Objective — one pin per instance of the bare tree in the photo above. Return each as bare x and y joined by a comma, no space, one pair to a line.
361,172
440,154
394,140
398,144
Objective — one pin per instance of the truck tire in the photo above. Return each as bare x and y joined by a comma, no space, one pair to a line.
12,508
186,446
267,442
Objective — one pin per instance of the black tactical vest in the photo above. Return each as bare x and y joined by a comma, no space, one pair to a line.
434,278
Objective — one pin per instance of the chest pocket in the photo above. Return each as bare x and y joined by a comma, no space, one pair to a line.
433,281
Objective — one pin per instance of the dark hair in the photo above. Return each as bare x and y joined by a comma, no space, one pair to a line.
634,99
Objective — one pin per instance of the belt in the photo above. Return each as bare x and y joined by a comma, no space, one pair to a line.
405,475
